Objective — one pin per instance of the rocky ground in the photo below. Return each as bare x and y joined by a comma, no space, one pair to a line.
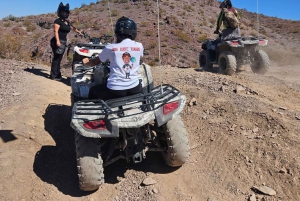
244,133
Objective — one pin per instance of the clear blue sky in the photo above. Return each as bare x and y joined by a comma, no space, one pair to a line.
286,9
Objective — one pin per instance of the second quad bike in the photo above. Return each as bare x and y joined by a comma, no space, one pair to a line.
231,55
125,128
89,50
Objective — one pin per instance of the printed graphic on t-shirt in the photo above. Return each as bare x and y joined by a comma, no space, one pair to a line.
127,66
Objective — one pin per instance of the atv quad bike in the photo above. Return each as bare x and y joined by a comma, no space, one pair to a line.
89,50
125,128
232,54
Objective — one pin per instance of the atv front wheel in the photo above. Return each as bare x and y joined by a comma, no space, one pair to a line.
261,62
204,61
178,149
89,163
227,63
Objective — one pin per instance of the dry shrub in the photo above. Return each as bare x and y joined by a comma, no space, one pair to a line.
10,46
182,36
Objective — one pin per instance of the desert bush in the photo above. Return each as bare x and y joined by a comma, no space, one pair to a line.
175,46
212,20
152,45
83,5
7,24
10,46
152,63
201,38
165,53
144,24
114,13
30,27
149,33
18,31
11,18
147,3
182,36
188,8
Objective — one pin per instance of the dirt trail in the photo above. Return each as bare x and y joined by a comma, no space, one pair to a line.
244,132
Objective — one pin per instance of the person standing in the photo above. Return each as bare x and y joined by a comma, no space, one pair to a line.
61,28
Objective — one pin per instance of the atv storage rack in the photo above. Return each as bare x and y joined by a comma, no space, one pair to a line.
127,112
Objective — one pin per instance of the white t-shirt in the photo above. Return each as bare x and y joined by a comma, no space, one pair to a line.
124,60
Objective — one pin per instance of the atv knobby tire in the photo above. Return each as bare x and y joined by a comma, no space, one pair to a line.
89,163
204,61
178,150
227,63
261,62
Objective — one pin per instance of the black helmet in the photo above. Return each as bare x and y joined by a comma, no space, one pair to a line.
126,27
226,4
63,11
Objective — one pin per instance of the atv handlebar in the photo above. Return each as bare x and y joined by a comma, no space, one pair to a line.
105,38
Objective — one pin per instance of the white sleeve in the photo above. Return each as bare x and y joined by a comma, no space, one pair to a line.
105,55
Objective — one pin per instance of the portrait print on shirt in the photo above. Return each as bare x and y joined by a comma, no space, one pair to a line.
127,66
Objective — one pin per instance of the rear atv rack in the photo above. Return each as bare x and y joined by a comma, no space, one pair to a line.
142,102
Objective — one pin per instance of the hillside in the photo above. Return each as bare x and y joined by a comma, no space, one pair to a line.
183,26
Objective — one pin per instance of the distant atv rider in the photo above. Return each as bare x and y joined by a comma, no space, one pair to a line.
232,29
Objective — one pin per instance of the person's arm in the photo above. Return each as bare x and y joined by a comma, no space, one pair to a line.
219,21
56,28
76,30
92,62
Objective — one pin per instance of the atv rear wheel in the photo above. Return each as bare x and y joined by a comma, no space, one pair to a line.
227,63
204,61
261,62
89,163
178,150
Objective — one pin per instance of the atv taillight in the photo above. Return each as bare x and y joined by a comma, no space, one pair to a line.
170,107
95,125
262,42
83,50
235,43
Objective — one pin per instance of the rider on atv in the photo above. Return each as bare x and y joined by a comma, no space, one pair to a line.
124,57
230,31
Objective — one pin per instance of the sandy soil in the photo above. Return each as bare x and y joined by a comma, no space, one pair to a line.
244,131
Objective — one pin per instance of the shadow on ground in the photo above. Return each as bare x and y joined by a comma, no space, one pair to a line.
7,136
44,73
57,164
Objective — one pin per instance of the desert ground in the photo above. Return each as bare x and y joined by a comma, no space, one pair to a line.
244,134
